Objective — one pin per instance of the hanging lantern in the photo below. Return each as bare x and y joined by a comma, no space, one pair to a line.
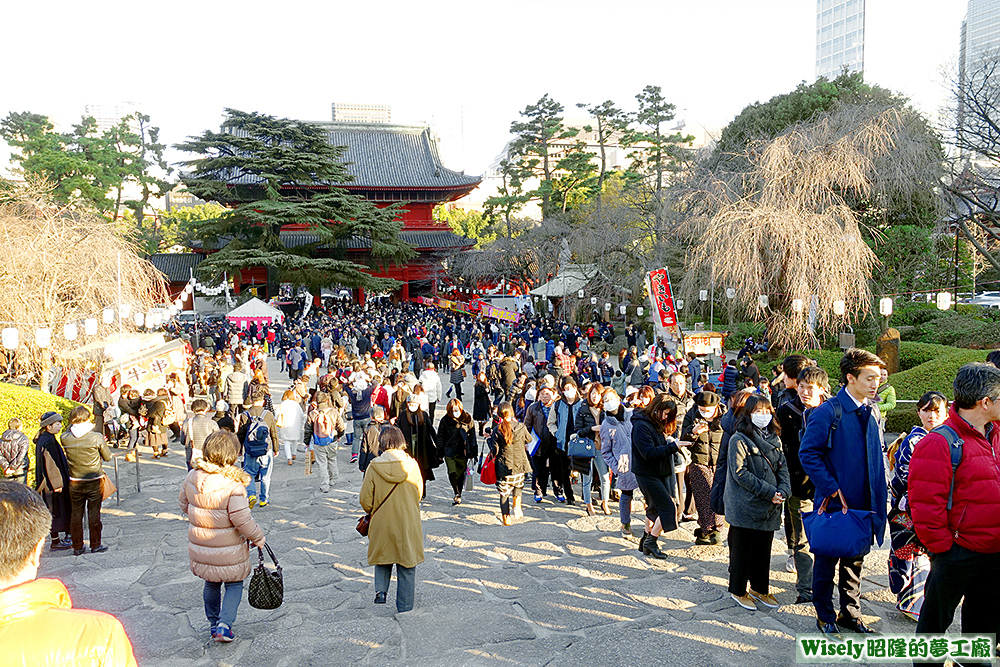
108,315
43,337
69,331
622,309
580,294
90,325
762,301
944,300
607,307
138,319
639,311
730,293
179,303
839,307
885,307
703,295
10,338
680,304
593,301
123,310
796,305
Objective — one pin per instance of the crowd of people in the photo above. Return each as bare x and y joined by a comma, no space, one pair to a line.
555,408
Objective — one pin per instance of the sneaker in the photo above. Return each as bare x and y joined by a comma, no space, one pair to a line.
62,545
790,564
79,552
99,550
744,601
354,458
765,599
627,529
561,499
251,501
380,598
223,634
262,503
538,498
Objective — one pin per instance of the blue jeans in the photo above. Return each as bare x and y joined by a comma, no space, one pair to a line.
406,581
360,424
625,507
259,469
222,610
586,480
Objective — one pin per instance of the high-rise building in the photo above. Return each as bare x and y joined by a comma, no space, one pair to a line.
980,33
361,113
840,37
109,115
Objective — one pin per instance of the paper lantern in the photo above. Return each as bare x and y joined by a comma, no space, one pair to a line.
124,309
639,311
593,301
730,293
703,295
69,331
580,294
944,300
179,303
839,307
43,337
607,307
885,307
90,325
622,309
138,319
680,304
762,301
796,305
108,315
10,338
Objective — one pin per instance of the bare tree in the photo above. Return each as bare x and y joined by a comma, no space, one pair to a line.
59,266
789,230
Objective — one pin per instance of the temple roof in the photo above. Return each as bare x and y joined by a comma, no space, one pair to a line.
393,157
176,266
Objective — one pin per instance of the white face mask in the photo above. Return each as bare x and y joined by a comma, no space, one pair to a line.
706,413
456,413
760,419
569,393
529,395
412,407
612,406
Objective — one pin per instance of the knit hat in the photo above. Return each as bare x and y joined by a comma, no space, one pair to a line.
413,398
50,418
706,399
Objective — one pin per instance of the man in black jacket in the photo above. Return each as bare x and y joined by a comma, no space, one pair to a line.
811,384
535,420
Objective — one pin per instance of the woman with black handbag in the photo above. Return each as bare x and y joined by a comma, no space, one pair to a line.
390,494
220,526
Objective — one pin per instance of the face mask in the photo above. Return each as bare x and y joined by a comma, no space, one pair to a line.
706,413
612,406
760,419
529,395
570,394
413,407
456,413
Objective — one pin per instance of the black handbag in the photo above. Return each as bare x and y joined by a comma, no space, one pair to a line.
267,589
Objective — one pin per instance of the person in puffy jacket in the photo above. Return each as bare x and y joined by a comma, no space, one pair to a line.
616,450
38,625
507,443
730,378
85,449
214,496
703,428
965,537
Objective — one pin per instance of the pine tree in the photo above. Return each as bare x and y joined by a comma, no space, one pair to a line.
275,172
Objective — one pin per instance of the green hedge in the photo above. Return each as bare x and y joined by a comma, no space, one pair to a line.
29,405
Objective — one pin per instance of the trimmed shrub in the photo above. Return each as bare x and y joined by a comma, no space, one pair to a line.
29,405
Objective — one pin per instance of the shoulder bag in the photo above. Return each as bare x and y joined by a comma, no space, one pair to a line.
365,521
266,589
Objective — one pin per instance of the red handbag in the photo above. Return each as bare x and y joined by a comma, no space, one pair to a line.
488,475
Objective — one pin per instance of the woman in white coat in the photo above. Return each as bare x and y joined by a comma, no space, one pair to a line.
291,421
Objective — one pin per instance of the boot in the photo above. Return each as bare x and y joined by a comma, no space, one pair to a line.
642,540
649,548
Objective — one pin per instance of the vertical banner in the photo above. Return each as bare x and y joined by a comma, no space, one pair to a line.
661,299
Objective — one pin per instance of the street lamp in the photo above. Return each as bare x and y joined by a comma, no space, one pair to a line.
796,305
839,307
885,308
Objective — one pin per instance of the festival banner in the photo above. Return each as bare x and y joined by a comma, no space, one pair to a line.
661,299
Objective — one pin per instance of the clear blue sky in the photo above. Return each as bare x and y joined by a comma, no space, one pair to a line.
465,67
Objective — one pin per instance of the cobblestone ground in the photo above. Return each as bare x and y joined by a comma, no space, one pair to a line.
556,588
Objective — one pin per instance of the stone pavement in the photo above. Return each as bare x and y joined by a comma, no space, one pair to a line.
556,588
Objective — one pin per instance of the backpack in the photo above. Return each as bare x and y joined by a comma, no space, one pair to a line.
325,423
893,448
258,438
955,447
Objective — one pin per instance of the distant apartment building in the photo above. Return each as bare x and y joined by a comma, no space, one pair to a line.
840,37
980,33
361,113
109,115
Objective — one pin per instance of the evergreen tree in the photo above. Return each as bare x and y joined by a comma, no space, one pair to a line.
276,172
536,144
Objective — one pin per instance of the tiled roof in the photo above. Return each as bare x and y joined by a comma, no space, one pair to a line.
424,238
176,266
387,157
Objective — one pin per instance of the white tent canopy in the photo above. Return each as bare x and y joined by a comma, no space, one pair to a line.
571,279
255,310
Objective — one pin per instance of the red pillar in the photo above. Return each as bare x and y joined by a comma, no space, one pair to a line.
361,296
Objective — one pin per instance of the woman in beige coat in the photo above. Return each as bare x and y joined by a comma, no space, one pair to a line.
391,492
214,497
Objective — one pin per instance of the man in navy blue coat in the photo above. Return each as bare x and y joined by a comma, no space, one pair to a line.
848,472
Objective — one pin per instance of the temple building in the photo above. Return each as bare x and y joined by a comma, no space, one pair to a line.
391,164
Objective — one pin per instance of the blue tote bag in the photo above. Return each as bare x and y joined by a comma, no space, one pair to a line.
838,535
